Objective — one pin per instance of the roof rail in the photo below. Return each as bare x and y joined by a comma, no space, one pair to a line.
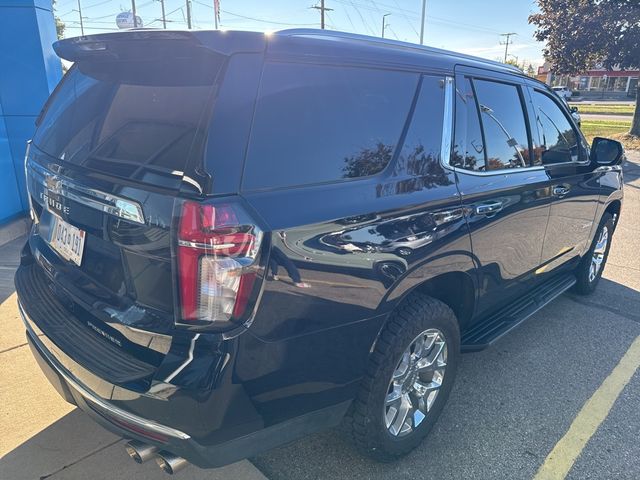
397,44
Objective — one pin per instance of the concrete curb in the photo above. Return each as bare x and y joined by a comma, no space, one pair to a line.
14,229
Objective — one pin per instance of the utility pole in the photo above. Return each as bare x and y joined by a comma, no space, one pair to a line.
384,17
189,14
506,43
424,11
216,12
164,19
322,9
81,23
133,12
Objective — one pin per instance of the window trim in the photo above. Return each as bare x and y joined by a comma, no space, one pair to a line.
449,120
578,133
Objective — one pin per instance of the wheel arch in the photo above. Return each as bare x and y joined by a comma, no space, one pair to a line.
456,289
614,207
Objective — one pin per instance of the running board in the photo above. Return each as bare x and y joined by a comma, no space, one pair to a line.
488,330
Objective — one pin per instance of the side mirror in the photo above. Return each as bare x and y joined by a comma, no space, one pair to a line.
574,109
607,152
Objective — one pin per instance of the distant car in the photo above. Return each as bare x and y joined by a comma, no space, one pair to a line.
563,91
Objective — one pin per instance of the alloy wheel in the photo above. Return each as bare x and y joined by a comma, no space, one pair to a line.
415,383
598,253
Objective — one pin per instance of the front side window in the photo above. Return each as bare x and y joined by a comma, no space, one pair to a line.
321,123
504,125
558,139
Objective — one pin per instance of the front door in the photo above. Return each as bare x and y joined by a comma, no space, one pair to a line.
505,197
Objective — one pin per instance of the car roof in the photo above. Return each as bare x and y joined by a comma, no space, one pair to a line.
303,44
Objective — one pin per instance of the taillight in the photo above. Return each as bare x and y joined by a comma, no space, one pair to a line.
218,246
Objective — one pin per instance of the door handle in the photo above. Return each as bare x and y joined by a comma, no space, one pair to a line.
560,190
489,208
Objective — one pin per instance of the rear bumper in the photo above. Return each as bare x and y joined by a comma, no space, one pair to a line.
128,425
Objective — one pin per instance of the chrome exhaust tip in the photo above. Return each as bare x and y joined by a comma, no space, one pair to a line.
170,463
140,452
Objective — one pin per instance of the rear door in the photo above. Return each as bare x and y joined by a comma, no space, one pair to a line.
575,186
505,196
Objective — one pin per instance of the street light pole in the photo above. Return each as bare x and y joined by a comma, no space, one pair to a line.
424,11
188,5
164,19
81,23
384,17
133,12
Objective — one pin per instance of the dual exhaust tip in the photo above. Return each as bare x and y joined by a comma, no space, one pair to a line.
168,462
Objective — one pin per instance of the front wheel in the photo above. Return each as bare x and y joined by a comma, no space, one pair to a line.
410,375
592,264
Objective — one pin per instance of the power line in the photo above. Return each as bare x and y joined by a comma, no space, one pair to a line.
406,17
365,24
97,4
226,12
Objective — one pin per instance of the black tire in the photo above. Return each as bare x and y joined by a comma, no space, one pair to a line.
365,422
586,285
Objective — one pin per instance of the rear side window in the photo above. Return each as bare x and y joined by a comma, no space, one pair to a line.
558,138
504,125
140,120
468,151
319,123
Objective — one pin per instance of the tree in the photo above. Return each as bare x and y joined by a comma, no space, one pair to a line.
583,33
59,23
531,71
514,62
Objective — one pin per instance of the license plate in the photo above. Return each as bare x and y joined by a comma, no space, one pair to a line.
67,240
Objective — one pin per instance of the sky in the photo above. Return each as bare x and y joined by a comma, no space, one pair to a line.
467,26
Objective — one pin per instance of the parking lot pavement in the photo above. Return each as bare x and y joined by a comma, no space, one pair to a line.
514,401
42,436
510,406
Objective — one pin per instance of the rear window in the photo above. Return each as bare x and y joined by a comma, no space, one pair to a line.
139,120
319,123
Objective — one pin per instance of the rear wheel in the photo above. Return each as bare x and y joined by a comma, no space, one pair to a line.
592,264
410,375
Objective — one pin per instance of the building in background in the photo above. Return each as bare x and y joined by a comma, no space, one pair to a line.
612,84
30,71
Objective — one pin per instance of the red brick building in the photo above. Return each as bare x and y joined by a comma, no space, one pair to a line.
612,83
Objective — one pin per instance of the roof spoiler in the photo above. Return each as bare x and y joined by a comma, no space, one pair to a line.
150,43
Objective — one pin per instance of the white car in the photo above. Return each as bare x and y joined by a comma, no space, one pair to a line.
563,92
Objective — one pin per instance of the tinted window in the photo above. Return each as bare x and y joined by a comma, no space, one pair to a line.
316,123
136,120
419,158
468,148
504,125
558,139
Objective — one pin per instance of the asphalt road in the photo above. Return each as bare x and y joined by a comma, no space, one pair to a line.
511,404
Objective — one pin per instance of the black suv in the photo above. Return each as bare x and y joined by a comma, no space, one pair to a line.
239,239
